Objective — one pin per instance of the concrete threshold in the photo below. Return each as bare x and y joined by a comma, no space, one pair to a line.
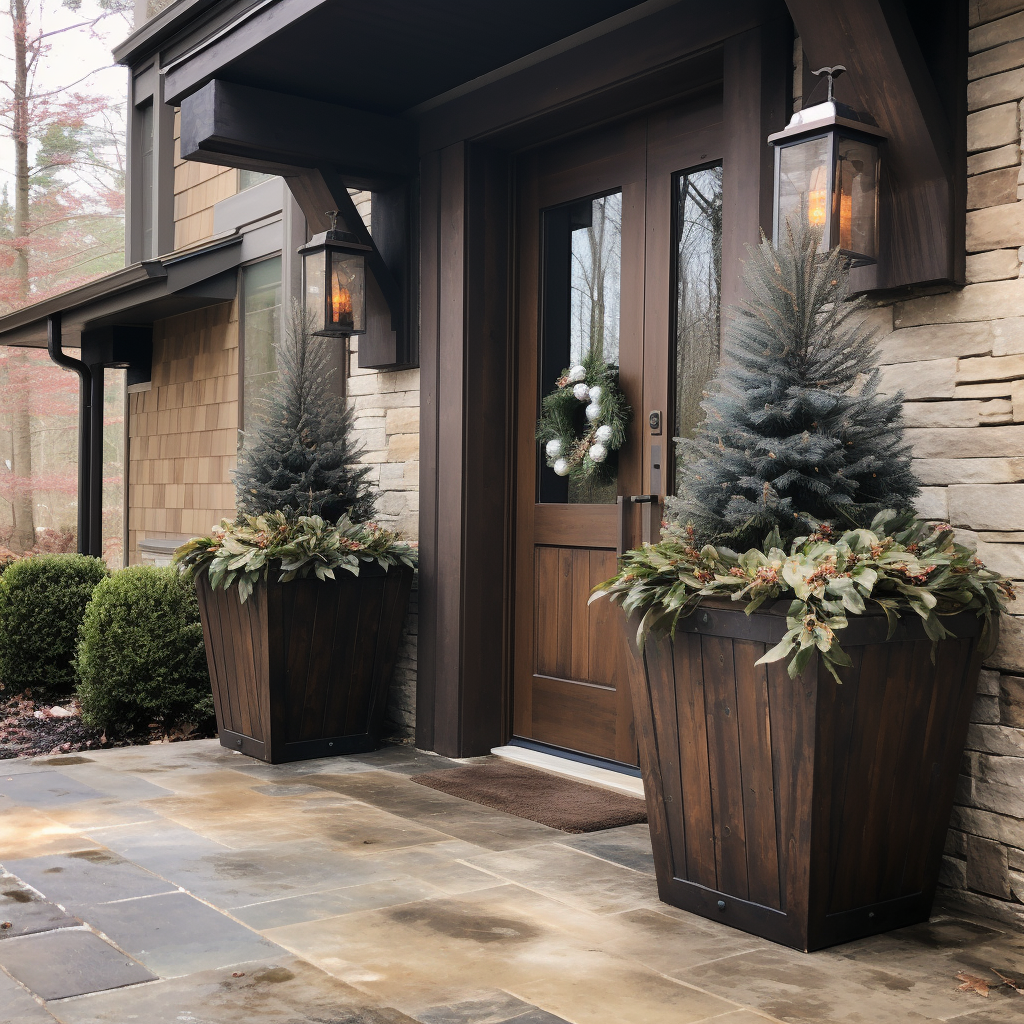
573,769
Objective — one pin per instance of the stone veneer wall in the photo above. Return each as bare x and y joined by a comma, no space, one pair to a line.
959,357
387,421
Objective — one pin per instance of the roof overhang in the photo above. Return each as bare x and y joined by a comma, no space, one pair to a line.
136,296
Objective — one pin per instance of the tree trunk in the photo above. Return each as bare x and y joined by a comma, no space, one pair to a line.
19,26
21,434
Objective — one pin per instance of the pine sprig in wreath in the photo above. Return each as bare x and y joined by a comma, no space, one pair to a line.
583,421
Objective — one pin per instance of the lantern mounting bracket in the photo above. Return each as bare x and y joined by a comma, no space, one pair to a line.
833,73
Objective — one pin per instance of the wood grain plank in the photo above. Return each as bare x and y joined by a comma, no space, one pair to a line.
759,821
298,638
725,764
574,715
367,629
545,616
579,614
562,583
319,677
659,654
694,761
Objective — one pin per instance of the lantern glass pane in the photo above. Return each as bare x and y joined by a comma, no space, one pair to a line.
347,294
857,179
316,291
803,186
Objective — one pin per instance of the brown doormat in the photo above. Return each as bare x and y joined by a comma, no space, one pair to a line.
548,799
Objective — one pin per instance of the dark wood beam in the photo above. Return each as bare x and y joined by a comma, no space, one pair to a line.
465,445
755,96
922,234
238,126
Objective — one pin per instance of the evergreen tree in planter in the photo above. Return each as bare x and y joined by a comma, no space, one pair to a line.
799,747
301,598
796,430
303,459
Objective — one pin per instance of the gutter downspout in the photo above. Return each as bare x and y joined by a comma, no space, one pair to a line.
85,418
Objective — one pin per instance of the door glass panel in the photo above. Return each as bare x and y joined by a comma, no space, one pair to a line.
580,314
698,280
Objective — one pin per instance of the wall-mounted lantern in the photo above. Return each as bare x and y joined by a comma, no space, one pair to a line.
334,265
827,176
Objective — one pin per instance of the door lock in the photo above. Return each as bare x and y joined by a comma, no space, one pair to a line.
654,422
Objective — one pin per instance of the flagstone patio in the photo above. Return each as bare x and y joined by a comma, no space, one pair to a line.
187,883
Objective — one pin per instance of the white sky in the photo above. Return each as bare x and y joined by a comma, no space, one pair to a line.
73,55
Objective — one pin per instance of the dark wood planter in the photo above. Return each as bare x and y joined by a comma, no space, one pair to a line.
800,810
302,669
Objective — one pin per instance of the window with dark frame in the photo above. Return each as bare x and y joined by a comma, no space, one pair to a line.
260,326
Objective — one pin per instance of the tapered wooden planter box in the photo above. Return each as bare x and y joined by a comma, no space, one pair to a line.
803,811
302,669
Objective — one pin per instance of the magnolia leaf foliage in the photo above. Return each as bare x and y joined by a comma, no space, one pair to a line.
898,564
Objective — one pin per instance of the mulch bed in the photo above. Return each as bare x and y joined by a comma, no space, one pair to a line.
553,800
28,728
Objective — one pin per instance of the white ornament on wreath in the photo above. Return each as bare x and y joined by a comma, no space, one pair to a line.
598,453
595,393
553,448
561,467
602,434
582,392
576,373
593,412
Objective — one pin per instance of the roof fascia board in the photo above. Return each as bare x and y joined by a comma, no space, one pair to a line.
173,21
141,281
194,69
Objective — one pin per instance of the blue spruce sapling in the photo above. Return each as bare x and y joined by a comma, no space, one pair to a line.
795,427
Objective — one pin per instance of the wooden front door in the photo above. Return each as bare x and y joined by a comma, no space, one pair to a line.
619,250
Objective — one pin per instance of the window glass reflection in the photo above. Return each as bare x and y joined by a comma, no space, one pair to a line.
698,281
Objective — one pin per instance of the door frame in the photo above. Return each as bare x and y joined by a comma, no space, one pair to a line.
469,365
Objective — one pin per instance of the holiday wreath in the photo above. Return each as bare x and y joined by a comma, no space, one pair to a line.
583,420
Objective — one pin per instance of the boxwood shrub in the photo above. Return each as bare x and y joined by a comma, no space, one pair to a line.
42,601
140,655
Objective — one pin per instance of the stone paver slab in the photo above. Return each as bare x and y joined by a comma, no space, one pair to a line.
68,962
238,878
279,991
498,1008
43,789
317,906
18,1006
87,876
572,877
175,934
629,846
27,912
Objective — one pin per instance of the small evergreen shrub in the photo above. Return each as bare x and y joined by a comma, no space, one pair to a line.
42,601
141,658
304,459
796,430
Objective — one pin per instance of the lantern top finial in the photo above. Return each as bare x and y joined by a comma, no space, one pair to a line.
332,215
833,73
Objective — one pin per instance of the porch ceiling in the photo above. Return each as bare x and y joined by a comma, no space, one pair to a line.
384,56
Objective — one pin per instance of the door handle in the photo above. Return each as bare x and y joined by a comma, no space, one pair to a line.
649,516
652,508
